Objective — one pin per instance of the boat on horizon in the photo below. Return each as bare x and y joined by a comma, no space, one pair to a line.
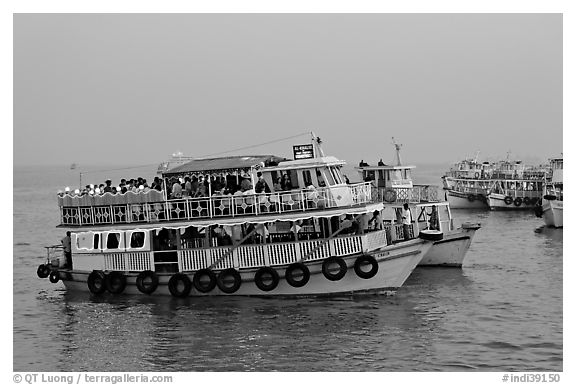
504,185
552,206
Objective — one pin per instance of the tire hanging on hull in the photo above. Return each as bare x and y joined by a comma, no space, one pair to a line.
266,279
361,262
328,270
96,282
115,282
147,282
179,285
297,274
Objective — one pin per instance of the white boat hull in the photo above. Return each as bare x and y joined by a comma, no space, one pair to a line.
451,250
552,212
498,202
458,200
395,263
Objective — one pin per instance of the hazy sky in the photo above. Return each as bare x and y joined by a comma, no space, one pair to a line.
132,89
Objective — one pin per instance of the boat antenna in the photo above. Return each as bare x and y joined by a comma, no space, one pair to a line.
397,146
476,158
317,142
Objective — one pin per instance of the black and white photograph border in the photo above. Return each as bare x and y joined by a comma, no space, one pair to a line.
373,80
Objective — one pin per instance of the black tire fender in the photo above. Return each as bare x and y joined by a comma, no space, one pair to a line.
264,274
327,270
115,282
43,271
147,282
96,282
223,281
201,285
54,276
180,285
365,260
291,276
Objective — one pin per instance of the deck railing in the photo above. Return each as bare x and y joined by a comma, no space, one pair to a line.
255,255
80,211
416,194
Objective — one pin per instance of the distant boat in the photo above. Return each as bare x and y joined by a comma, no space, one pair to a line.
73,166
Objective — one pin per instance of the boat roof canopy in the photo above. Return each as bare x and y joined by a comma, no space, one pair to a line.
307,163
229,164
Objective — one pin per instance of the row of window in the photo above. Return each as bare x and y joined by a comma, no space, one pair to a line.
109,240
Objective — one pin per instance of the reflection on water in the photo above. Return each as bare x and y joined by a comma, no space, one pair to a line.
501,312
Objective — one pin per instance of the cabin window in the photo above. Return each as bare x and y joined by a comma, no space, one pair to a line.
137,240
293,174
113,241
335,174
84,240
307,176
96,241
329,178
321,181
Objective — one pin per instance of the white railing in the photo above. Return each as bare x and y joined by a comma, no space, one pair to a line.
271,254
127,261
74,213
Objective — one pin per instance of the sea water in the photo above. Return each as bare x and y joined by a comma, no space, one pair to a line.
501,312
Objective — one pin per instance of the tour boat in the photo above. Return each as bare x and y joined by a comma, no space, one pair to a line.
551,208
307,238
503,185
393,186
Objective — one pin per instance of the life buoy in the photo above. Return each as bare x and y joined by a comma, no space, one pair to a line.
389,195
477,175
54,276
43,271
526,200
229,281
363,261
508,200
179,285
471,197
147,282
431,235
96,282
334,268
297,274
204,280
115,282
266,278
518,202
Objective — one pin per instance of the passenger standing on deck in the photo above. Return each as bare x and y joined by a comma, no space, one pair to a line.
261,185
377,219
406,221
67,246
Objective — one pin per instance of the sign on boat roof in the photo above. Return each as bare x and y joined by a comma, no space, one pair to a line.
227,164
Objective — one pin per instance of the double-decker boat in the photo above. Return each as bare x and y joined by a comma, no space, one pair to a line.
502,185
552,206
393,185
246,225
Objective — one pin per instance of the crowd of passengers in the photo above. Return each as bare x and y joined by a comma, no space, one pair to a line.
139,185
191,186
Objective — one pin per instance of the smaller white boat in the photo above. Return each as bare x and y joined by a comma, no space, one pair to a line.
432,219
553,199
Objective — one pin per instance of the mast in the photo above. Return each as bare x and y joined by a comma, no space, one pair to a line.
317,142
397,146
